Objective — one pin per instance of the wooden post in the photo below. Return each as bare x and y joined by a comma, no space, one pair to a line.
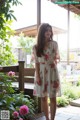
38,13
68,38
38,23
21,75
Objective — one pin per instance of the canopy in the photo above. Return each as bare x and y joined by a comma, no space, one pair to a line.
74,5
32,30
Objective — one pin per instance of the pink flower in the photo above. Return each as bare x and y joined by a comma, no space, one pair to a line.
20,119
11,73
34,92
56,84
24,110
46,56
15,114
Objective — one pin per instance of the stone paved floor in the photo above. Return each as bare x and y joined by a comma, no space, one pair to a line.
68,113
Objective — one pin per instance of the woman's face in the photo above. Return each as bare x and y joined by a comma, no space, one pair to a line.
48,33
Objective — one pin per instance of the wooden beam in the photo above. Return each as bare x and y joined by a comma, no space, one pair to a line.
75,9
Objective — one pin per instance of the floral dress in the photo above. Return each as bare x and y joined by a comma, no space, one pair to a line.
48,72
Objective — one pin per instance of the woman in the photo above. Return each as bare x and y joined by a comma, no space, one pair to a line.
46,54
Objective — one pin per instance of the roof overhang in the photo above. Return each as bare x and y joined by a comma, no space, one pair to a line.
74,5
32,30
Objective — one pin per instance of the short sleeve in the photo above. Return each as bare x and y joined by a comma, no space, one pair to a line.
34,57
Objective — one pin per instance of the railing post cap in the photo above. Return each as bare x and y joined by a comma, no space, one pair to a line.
21,61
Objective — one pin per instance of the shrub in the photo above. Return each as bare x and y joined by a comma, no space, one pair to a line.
78,83
69,92
62,101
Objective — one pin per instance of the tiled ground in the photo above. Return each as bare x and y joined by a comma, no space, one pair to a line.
68,113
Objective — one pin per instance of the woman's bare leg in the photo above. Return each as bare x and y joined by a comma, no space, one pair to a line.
44,102
53,107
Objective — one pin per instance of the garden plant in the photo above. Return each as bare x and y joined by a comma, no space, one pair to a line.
21,106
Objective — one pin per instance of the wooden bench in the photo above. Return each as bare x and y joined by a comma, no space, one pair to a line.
25,79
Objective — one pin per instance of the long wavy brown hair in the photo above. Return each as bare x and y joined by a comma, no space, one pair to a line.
41,38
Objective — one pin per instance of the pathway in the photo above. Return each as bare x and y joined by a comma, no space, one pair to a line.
68,113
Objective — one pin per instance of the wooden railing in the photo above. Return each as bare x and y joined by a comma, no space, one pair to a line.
18,69
25,78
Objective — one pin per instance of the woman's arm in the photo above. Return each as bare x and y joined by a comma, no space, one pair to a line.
36,65
37,68
57,56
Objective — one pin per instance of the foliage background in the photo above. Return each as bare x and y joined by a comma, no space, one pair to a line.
6,17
